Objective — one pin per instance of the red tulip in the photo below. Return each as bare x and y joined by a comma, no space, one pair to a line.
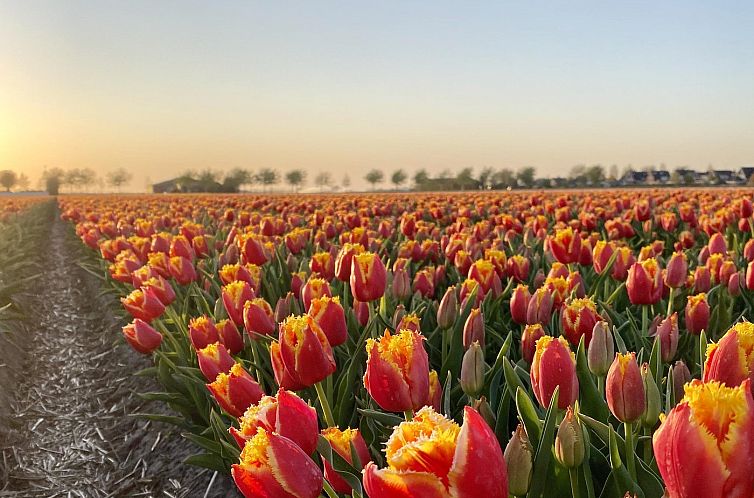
304,350
285,414
234,296
540,307
258,317
202,332
644,282
214,360
368,277
520,303
141,336
273,466
731,359
397,372
230,336
529,339
341,443
625,389
565,246
554,365
705,446
143,304
697,314
430,456
329,315
678,266
236,390
577,319
315,287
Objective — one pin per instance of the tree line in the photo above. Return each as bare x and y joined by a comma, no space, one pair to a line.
74,180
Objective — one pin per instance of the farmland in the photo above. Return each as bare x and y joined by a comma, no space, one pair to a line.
559,343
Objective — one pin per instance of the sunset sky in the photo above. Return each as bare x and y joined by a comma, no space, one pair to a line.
160,87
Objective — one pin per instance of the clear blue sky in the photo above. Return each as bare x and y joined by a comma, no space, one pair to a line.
162,86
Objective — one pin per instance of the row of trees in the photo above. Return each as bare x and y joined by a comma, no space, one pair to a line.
465,179
75,180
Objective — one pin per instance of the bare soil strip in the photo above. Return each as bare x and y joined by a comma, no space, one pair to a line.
70,429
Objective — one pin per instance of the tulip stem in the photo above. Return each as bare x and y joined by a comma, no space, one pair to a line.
325,405
409,415
601,385
670,301
644,320
573,472
329,490
630,461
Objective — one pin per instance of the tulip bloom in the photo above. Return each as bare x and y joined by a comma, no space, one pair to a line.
397,372
601,350
644,284
214,360
258,317
731,359
285,414
625,389
313,288
143,304
519,303
235,295
161,288
565,246
430,456
202,332
141,336
448,309
182,270
329,315
340,442
344,260
272,465
678,266
517,267
577,320
697,314
705,446
529,339
229,335
368,277
305,353
473,329
554,365
540,307
236,390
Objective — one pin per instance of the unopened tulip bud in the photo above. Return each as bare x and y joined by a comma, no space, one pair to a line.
398,315
401,285
601,351
569,443
667,334
625,389
653,401
472,370
368,277
284,307
734,284
447,312
519,458
554,366
473,329
697,314
717,244
485,410
702,279
681,375
529,339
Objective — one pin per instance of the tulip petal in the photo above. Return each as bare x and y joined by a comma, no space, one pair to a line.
387,483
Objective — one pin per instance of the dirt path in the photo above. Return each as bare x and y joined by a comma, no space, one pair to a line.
72,432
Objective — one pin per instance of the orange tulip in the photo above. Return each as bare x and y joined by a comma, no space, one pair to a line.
565,245
202,332
397,372
705,446
625,389
214,360
431,456
143,304
271,465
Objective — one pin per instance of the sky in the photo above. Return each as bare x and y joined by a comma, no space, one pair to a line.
161,87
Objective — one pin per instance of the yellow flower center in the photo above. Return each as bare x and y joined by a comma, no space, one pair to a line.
254,453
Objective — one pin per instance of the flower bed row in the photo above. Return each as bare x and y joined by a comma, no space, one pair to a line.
582,344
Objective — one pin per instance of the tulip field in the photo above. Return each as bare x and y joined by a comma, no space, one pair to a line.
490,344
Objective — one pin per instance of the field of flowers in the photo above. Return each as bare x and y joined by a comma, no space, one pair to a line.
587,344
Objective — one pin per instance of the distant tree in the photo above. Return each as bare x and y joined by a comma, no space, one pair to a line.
398,178
234,179
595,174
268,177
8,179
421,177
53,179
484,177
118,177
577,175
503,177
525,176
323,180
23,182
87,177
346,182
374,177
295,178
444,174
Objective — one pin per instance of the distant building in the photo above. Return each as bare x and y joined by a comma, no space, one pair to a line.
184,185
745,173
661,177
634,178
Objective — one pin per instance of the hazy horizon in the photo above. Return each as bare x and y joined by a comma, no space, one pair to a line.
164,87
